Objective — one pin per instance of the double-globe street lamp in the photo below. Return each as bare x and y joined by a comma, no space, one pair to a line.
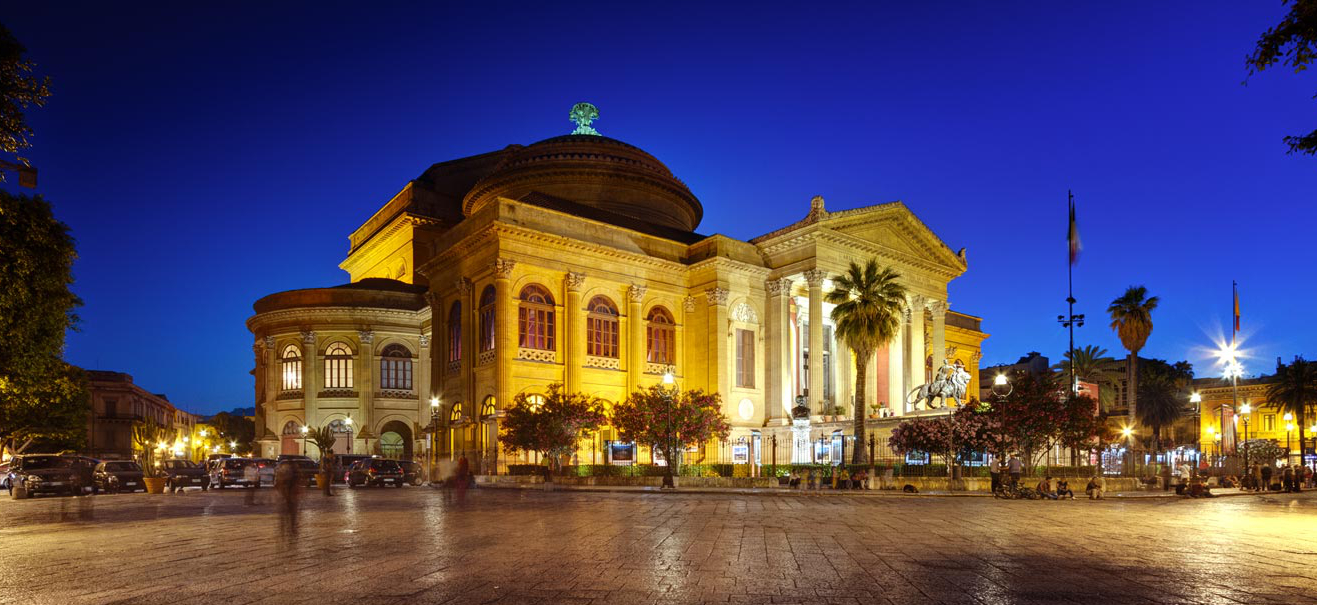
1244,411
668,389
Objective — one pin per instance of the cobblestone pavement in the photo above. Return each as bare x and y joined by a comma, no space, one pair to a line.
418,545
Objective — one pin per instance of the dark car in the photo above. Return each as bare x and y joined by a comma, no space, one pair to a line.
33,474
115,476
184,473
375,471
224,472
342,463
411,472
306,469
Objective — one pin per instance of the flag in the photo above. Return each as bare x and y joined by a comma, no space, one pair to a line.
1236,289
1073,235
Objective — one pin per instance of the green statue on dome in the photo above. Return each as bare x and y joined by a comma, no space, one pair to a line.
583,114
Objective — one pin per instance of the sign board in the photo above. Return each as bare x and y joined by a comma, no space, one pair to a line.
621,454
740,454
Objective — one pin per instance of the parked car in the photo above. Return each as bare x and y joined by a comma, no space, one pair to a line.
375,471
282,457
342,463
184,473
265,469
411,472
224,472
306,469
115,476
34,474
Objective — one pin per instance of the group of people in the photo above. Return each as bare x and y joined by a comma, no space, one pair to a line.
840,478
1262,477
1007,470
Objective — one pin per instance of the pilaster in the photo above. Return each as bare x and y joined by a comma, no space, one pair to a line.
814,278
574,343
365,377
719,365
635,368
915,371
505,324
939,309
777,345
311,383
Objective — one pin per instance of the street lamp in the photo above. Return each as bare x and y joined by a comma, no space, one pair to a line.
304,432
1289,426
434,434
669,391
1197,401
1245,410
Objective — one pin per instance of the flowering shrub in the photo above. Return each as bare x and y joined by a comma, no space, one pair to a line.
553,427
692,418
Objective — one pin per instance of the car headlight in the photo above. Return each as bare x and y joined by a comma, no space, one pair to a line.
34,479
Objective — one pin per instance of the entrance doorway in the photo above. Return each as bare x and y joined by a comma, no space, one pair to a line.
342,437
288,439
396,440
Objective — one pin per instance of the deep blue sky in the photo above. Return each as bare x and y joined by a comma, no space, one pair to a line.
207,155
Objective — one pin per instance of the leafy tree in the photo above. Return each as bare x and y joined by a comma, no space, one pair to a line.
1262,451
553,427
41,397
19,89
971,428
235,428
691,418
869,303
1292,43
1037,416
1094,366
1131,318
1294,389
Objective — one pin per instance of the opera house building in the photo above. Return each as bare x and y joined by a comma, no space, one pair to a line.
578,260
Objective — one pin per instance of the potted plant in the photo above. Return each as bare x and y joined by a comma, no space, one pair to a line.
148,437
876,410
838,413
323,438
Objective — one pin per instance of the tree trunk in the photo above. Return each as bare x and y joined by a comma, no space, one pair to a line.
859,456
1134,388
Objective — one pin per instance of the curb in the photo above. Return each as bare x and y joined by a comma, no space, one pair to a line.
803,493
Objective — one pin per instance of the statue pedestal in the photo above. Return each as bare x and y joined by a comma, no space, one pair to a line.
800,442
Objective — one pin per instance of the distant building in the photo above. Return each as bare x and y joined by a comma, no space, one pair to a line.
1221,421
116,403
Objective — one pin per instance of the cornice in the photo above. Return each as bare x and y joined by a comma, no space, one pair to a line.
378,238
323,314
852,242
498,229
723,263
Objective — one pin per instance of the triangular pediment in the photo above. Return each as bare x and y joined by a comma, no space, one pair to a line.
894,227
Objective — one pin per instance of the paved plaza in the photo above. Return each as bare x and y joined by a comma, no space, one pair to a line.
419,545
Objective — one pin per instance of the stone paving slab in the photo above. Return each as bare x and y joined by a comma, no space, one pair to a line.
418,545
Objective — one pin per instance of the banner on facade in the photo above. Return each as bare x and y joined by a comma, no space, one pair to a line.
622,454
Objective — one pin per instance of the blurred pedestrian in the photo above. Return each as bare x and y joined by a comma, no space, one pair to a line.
288,486
1267,472
252,476
464,477
1014,467
995,472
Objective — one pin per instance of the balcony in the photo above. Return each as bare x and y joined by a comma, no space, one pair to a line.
607,363
338,394
395,394
485,357
283,395
538,355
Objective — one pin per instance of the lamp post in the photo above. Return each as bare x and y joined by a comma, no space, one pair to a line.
434,433
1289,426
669,390
1001,389
348,421
1197,401
304,432
1127,433
1229,357
1245,410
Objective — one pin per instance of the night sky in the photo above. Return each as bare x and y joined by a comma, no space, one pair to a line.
207,156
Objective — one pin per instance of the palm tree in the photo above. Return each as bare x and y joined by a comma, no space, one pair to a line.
1293,391
870,304
1093,365
1131,318
1161,403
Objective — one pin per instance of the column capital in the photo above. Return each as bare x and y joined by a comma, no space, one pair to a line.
425,341
688,304
366,336
917,302
259,348
462,285
503,268
269,342
938,307
778,287
431,299
308,337
574,281
636,293
815,277
716,296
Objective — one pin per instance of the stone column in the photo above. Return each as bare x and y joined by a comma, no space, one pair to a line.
635,367
505,327
777,345
814,278
469,322
311,382
365,384
915,371
896,390
434,386
939,309
421,381
574,333
720,372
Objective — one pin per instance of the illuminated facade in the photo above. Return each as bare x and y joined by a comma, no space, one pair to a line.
1219,426
575,260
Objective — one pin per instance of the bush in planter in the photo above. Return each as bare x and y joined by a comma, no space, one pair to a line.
147,436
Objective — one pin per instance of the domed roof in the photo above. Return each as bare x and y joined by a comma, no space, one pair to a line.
374,292
593,171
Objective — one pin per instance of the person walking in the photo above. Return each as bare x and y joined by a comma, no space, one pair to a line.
995,472
1256,477
1266,477
1014,467
252,476
1287,478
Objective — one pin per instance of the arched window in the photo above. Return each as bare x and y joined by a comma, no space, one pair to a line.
455,415
535,401
291,428
660,337
291,364
487,319
338,366
601,328
487,407
455,332
535,319
396,368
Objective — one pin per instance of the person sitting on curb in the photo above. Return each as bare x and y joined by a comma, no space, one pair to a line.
1095,487
1045,488
1063,489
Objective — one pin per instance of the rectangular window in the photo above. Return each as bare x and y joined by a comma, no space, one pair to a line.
601,336
1269,422
745,358
487,328
536,327
396,374
338,372
660,342
292,374
110,408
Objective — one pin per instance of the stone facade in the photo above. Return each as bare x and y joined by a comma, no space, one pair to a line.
116,403
574,260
